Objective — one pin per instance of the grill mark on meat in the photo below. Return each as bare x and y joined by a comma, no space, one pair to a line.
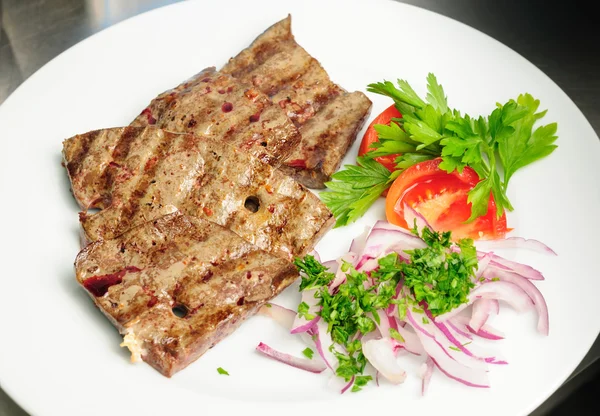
132,206
197,108
75,164
204,178
140,305
297,83
122,149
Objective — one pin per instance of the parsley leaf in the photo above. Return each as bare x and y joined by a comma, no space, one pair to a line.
355,189
308,353
523,147
359,382
396,335
220,370
303,311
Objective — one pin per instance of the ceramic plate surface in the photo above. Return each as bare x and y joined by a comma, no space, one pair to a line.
60,356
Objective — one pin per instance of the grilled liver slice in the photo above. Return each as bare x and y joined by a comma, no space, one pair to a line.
215,105
150,173
327,116
178,285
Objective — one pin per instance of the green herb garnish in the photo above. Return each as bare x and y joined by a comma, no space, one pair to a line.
396,335
220,370
308,353
495,147
440,275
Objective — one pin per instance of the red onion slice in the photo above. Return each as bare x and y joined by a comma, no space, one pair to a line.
411,341
283,316
464,345
486,331
380,354
384,324
530,289
322,342
471,348
482,308
332,266
314,366
383,241
512,266
411,216
505,291
474,377
483,260
348,385
427,371
459,329
514,242
340,276
358,244
300,323
429,330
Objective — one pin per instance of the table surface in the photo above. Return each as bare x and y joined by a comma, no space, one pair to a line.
560,40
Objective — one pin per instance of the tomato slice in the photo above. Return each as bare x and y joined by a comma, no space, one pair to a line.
371,137
441,198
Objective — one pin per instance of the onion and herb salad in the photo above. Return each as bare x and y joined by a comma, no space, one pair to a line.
397,294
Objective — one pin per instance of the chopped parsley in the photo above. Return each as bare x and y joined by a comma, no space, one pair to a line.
220,370
437,277
308,353
396,335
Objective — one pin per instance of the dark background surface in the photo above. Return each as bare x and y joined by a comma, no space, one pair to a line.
562,39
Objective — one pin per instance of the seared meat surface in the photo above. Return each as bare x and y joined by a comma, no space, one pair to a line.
327,116
151,172
177,285
215,105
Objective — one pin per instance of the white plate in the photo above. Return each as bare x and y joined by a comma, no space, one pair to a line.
60,356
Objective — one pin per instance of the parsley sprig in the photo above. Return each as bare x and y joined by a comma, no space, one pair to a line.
495,147
441,275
